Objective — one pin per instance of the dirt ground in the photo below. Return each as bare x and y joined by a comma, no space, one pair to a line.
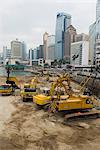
26,127
30,128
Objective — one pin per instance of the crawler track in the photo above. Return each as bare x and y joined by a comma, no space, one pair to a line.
82,116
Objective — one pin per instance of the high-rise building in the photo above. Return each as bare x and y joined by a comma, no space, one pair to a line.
63,21
45,38
92,39
51,47
31,56
23,51
98,10
98,52
6,54
48,47
16,50
80,50
1,58
69,37
94,33
41,51
34,56
81,37
79,53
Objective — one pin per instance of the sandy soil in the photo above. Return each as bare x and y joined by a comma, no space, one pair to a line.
32,129
26,127
6,109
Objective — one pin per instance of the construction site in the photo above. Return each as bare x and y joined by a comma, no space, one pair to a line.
49,111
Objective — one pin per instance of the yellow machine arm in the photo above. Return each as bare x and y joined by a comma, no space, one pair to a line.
62,82
13,81
34,83
84,83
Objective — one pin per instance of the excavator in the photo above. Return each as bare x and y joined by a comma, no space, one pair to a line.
12,80
10,86
68,101
29,88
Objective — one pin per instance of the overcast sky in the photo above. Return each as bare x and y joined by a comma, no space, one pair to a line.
27,20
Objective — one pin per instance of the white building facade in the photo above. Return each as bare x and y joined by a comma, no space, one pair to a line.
79,53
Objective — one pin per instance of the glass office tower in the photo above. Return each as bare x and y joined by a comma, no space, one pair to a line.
63,21
98,18
94,33
98,9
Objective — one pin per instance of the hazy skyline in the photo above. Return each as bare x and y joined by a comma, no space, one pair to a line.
27,20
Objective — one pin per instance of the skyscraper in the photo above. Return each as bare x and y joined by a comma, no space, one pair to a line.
63,21
31,56
92,38
16,49
98,19
41,51
94,34
98,10
51,47
6,54
45,38
98,52
23,51
69,37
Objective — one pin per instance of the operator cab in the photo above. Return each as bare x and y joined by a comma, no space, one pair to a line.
5,87
45,91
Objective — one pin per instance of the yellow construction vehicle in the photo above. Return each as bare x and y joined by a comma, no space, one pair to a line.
13,81
27,94
34,83
55,90
6,90
70,101
83,84
29,90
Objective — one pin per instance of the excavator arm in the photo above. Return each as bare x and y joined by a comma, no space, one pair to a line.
62,82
